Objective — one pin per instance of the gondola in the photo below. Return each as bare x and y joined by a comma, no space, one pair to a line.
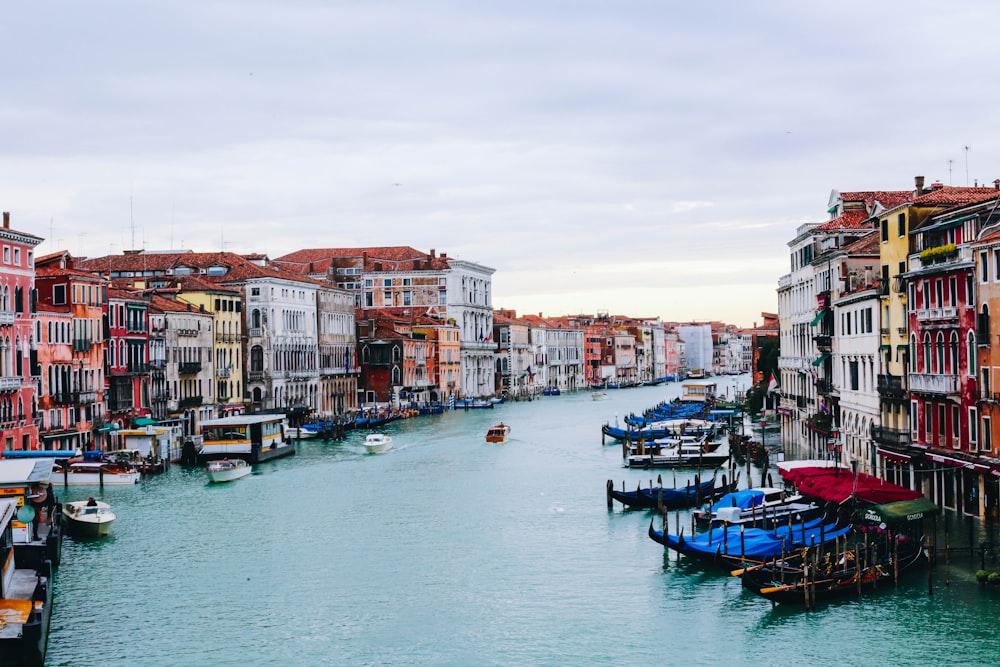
668,498
808,584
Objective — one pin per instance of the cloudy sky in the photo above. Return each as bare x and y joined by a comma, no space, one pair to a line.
639,157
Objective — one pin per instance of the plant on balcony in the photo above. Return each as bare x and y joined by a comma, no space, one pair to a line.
939,252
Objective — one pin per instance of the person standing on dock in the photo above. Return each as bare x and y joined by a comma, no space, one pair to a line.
36,496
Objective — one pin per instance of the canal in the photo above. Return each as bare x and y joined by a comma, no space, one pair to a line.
449,551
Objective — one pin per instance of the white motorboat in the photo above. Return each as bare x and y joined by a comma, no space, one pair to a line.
376,443
300,433
227,470
598,395
94,473
88,518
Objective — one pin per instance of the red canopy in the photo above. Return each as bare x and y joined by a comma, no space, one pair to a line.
839,484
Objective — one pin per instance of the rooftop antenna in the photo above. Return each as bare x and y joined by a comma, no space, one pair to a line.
950,163
967,148
131,219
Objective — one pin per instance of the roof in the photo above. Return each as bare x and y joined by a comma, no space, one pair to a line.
851,219
866,245
375,259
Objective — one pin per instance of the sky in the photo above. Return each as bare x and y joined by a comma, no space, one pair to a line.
644,158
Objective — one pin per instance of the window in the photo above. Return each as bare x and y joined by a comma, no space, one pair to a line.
938,293
973,428
955,428
996,264
853,366
987,435
254,291
6,254
17,257
387,282
953,353
983,267
928,423
407,282
939,356
970,352
970,294
952,291
407,298
387,298
59,295
941,429
901,225
884,224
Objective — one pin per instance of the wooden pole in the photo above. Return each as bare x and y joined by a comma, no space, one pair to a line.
609,487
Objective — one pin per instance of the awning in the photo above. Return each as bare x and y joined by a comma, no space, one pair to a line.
947,224
902,510
144,421
893,456
937,458
901,348
821,358
819,318
108,428
885,348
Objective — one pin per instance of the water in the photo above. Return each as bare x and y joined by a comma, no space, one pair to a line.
449,551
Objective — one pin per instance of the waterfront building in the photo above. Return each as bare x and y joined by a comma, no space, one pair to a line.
671,353
514,357
338,353
444,366
986,252
854,349
397,360
697,346
619,355
70,349
400,276
944,379
189,368
19,370
558,351
768,329
649,349
126,366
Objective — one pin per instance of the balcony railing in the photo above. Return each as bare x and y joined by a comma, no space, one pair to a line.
82,344
63,398
255,332
824,386
891,437
189,402
189,368
935,314
933,383
85,397
226,337
11,383
222,373
161,396
891,386
256,376
187,332
6,317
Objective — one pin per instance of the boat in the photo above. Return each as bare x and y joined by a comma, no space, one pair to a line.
850,572
598,394
300,433
681,452
83,472
18,476
760,507
668,498
498,433
377,443
550,391
88,518
227,470
253,438
474,404
25,597
730,546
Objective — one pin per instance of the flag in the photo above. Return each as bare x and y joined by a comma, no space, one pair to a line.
773,384
822,406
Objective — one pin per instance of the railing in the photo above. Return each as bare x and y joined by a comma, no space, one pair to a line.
256,376
187,332
255,332
85,397
161,396
823,341
81,344
934,314
189,368
226,337
824,386
189,402
158,363
891,386
11,383
891,437
6,317
933,383
222,373
63,398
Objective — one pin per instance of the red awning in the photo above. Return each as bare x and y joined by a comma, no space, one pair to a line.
839,484
893,456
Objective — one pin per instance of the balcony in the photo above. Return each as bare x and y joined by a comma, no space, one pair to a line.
82,344
823,342
189,402
84,397
10,383
255,332
891,386
891,437
226,337
189,368
937,314
222,373
161,396
190,333
933,383
256,376
824,387
63,398
6,317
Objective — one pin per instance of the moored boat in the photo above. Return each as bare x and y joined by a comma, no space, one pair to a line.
88,518
498,433
760,507
80,472
376,443
670,498
683,452
25,599
227,470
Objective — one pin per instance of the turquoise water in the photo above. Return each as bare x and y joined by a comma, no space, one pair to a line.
449,551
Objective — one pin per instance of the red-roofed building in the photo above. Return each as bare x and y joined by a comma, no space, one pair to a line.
71,353
19,368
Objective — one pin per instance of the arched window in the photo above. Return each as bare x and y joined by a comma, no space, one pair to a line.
953,352
256,359
397,355
970,352
913,353
939,353
255,318
927,353
396,375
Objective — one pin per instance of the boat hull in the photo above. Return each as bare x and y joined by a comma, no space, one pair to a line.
87,529
231,475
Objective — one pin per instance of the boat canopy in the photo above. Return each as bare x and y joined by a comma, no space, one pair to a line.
743,499
902,510
840,484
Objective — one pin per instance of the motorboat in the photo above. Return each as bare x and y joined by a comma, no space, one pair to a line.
682,452
301,433
227,470
88,518
376,443
598,394
498,433
763,507
76,472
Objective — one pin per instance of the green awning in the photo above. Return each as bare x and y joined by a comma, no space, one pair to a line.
885,348
902,510
819,360
819,318
144,421
108,428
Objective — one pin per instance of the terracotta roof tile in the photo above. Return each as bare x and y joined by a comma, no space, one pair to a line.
852,219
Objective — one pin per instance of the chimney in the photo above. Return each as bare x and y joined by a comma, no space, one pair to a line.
996,184
6,219
937,185
919,180
444,255
432,253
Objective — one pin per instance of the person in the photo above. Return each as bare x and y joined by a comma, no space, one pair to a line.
36,496
91,502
